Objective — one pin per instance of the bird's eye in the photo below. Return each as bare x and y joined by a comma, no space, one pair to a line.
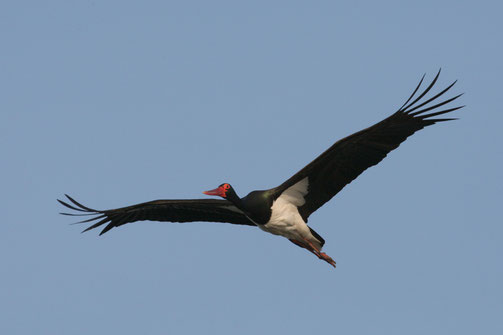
227,186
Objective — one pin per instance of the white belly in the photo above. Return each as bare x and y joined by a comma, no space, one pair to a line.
285,218
286,222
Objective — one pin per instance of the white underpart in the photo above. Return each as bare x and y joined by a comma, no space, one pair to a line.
285,218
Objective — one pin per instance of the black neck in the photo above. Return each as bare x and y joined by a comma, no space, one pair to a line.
256,205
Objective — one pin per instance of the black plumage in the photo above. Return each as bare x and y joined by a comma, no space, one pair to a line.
211,210
325,176
349,157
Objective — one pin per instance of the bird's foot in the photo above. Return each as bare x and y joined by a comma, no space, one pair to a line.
321,255
326,258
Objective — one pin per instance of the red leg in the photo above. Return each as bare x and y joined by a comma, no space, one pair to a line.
300,244
309,246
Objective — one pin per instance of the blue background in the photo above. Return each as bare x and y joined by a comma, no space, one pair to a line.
120,102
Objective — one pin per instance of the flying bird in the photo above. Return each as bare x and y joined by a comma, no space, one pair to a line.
284,210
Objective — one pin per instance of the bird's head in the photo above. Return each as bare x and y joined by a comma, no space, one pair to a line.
225,191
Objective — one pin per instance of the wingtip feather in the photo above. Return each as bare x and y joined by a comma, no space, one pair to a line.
107,228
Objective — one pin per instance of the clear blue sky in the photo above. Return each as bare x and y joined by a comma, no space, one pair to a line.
120,102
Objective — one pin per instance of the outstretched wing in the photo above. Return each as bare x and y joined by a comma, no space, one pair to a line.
349,157
211,210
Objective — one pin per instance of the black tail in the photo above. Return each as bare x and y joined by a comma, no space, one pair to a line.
318,237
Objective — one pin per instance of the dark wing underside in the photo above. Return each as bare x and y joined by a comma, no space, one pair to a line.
211,210
349,157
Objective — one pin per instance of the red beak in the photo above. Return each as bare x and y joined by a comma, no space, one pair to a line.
219,191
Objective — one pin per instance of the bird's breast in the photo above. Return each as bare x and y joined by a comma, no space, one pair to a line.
285,219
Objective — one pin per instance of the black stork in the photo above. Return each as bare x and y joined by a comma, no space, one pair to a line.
284,210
